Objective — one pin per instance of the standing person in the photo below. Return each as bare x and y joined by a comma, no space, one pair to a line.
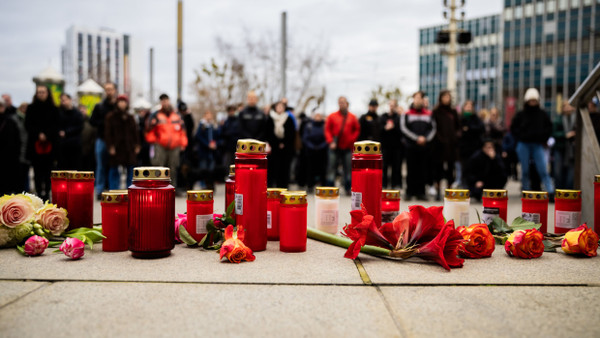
485,170
189,160
444,145
281,135
121,137
167,132
10,152
143,123
70,127
494,129
9,108
531,128
315,147
564,149
369,123
23,162
97,120
418,127
207,138
41,123
253,121
230,133
88,139
341,131
471,135
391,146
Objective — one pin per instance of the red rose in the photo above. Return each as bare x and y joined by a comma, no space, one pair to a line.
478,241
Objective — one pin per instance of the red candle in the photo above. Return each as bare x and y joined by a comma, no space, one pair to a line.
59,187
495,204
367,178
115,211
80,200
251,192
390,205
199,212
567,210
535,208
597,203
230,187
273,196
292,221
151,213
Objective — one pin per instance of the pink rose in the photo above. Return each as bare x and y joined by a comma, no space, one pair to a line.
35,245
53,219
72,247
180,221
217,221
15,210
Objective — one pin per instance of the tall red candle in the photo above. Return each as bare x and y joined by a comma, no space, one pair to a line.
251,192
597,203
495,204
292,221
567,210
115,211
367,178
80,199
390,205
151,213
273,197
230,187
59,186
535,208
200,206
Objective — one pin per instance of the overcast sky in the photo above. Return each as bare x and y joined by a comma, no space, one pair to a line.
372,42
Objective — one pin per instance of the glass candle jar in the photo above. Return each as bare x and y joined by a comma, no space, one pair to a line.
151,213
273,197
251,191
115,211
495,204
230,187
597,203
567,210
80,200
456,206
200,205
535,208
327,209
390,205
58,179
367,178
292,218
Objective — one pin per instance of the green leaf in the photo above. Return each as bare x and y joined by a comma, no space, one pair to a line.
229,220
229,210
498,226
53,244
550,246
478,217
521,224
203,241
186,237
21,250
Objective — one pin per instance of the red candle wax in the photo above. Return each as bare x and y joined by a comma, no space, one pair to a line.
367,178
567,210
80,199
495,204
390,205
273,196
115,211
535,208
151,213
251,192
597,203
292,221
199,212
59,186
230,187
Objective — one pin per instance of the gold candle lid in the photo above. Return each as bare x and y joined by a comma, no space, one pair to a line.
367,148
61,173
597,178
81,175
494,193
125,191
275,192
232,170
151,173
115,196
250,146
327,191
390,194
534,195
565,194
293,197
200,195
459,194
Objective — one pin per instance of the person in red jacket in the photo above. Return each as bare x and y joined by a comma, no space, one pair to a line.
167,133
341,131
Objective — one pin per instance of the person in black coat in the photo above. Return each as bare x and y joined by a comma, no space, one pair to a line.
485,170
10,152
281,136
391,146
471,134
230,133
369,123
253,121
97,120
315,145
444,145
41,123
70,127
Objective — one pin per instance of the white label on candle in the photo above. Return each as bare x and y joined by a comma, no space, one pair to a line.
201,222
356,200
488,214
329,218
531,217
567,219
269,220
464,218
388,216
239,204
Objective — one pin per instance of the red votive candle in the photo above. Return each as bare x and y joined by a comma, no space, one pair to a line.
59,186
273,197
251,192
200,206
292,221
115,211
230,187
151,213
80,199
495,204
367,178
390,205
597,203
534,208
567,210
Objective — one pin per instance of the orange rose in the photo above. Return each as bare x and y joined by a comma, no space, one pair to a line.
525,244
479,241
581,240
233,248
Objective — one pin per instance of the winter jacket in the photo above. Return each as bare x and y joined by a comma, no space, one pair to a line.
71,122
480,167
289,136
99,116
446,137
333,126
167,129
206,133
471,139
230,133
41,117
417,123
313,135
10,151
369,127
531,125
390,138
253,123
121,132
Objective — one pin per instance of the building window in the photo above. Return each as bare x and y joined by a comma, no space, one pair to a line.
561,48
574,3
562,5
518,12
90,56
539,8
508,14
550,6
528,10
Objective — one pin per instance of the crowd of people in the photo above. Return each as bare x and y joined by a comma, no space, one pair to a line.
462,147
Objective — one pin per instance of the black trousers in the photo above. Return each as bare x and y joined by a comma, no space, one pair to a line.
42,165
417,169
316,167
278,172
392,160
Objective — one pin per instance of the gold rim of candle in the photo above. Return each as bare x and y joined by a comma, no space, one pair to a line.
567,194
151,173
61,173
534,195
81,175
200,195
390,194
367,148
275,193
293,197
250,146
114,197
494,193
232,170
327,192
597,178
457,194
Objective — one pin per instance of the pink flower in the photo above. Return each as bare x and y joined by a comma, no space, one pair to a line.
180,221
35,245
217,221
73,248
53,219
15,210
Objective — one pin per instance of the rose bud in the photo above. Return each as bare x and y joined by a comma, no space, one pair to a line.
479,241
73,248
582,240
525,244
35,245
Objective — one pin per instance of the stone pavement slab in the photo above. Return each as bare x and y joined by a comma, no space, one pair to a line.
495,311
98,309
12,290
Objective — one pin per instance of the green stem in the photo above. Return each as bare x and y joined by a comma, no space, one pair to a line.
345,242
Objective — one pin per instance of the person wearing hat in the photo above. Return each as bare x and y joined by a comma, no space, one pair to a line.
531,128
122,142
10,151
369,123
